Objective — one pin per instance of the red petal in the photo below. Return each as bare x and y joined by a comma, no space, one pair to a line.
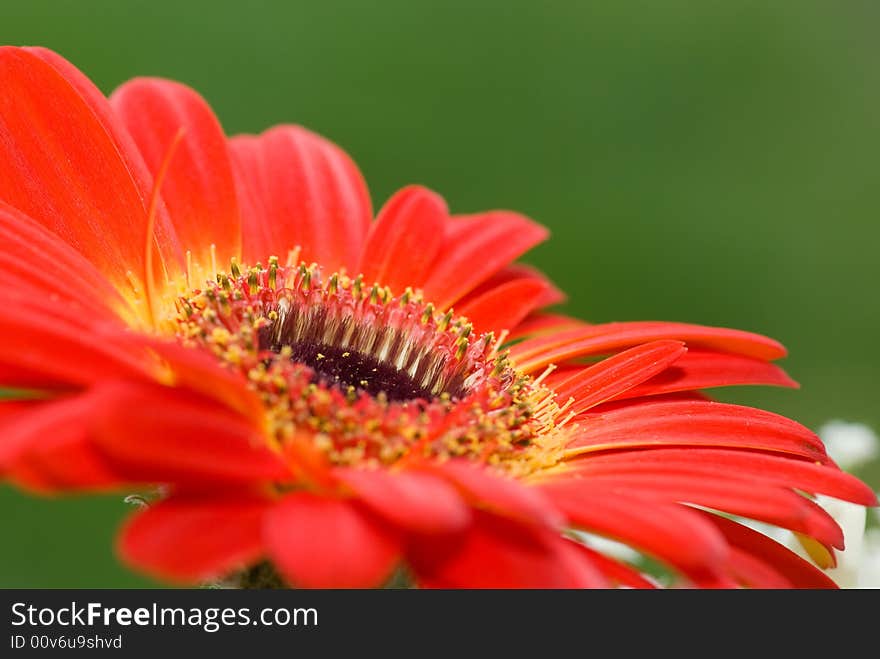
753,572
162,434
675,397
774,505
534,354
45,445
695,423
516,272
784,561
404,239
614,375
68,462
73,466
504,300
298,189
418,502
670,532
198,189
195,540
105,114
502,553
62,345
201,372
701,369
546,324
616,572
329,543
169,252
475,248
720,463
31,379
504,497
26,251
11,408
62,168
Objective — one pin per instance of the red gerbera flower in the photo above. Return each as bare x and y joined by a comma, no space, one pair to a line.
226,319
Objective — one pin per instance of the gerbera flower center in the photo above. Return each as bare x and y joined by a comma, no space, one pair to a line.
350,339
369,376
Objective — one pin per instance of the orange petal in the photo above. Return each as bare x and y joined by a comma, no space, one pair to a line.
38,263
702,369
534,354
547,324
298,189
475,248
693,423
198,189
62,346
201,372
404,240
503,301
617,374
162,434
63,169
169,252
721,463
736,495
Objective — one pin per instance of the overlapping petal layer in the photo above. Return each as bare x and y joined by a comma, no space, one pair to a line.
298,189
198,189
52,144
87,237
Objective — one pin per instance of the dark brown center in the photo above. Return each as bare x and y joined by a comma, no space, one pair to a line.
346,369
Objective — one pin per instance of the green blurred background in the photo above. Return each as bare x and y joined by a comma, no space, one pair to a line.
713,162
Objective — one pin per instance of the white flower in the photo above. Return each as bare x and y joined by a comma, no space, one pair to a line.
851,518
850,445
609,547
869,572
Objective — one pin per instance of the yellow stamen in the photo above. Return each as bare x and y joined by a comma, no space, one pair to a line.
547,371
